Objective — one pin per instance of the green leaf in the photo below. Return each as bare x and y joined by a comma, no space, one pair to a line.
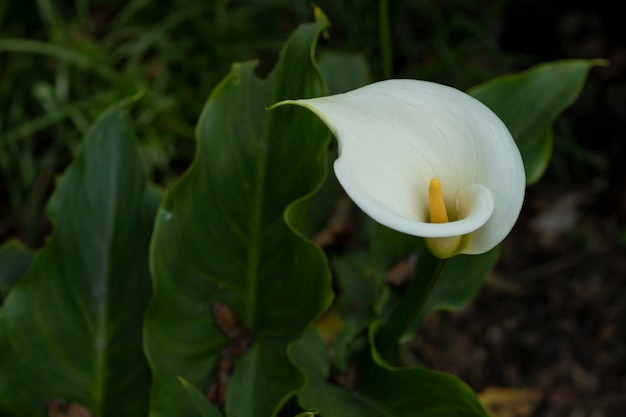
326,203
151,203
462,277
234,280
386,392
204,407
416,390
529,102
15,259
74,320
422,392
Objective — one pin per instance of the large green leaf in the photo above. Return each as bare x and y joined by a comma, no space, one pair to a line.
386,392
234,281
529,102
74,320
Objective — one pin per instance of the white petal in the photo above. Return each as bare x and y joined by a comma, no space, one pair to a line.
395,136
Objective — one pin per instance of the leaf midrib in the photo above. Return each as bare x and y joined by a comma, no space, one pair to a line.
102,303
256,216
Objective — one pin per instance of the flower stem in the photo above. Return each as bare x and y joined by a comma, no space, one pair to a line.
410,306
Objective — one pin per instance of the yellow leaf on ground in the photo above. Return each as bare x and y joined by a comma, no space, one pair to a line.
509,402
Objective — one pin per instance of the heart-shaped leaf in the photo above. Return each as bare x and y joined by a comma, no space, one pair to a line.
234,281
74,320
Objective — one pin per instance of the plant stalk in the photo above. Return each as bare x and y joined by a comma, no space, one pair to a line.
410,306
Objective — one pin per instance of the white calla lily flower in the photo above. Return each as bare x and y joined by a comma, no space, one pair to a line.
396,136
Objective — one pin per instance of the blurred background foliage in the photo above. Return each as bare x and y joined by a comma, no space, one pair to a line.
63,62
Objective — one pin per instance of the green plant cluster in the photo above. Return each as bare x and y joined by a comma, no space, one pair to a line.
63,63
208,297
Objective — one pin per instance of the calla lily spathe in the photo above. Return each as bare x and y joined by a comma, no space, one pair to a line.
396,136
